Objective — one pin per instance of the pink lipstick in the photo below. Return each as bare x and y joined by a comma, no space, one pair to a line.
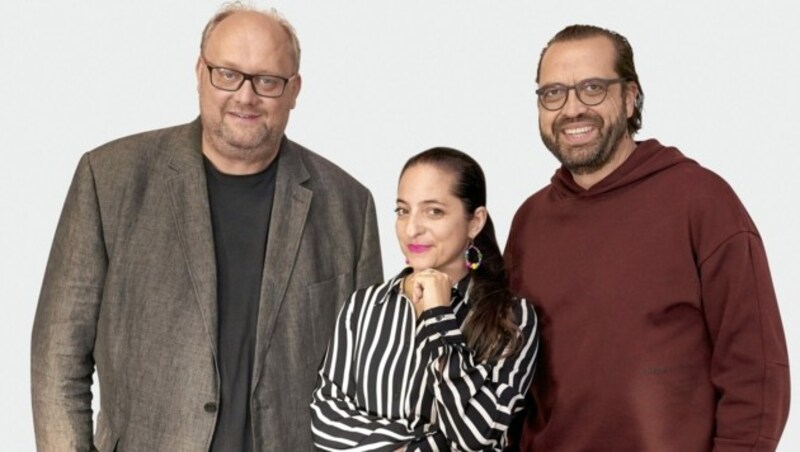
418,249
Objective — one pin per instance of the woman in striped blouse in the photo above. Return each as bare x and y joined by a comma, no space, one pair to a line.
440,356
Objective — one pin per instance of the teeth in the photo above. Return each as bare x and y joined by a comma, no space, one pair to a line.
577,131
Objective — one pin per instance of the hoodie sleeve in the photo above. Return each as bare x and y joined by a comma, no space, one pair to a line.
749,364
749,361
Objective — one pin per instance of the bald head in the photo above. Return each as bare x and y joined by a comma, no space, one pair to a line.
271,19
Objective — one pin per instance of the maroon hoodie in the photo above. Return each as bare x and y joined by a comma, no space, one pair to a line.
659,325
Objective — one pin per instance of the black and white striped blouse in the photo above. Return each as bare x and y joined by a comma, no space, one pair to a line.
389,379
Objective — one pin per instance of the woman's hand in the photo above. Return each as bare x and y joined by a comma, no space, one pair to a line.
428,289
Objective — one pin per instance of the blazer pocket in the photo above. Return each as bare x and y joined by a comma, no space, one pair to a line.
325,298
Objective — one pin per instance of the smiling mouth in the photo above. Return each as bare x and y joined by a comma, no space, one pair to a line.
243,115
577,131
417,249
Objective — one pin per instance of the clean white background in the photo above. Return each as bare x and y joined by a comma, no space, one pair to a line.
382,81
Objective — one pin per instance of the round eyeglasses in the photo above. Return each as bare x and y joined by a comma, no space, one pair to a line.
590,92
231,80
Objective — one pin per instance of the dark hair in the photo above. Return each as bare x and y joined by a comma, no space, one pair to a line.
489,329
623,65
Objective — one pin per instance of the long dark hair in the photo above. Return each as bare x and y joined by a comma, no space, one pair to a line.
489,329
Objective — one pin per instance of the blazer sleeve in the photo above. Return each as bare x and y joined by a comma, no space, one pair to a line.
749,364
369,269
476,400
65,322
337,422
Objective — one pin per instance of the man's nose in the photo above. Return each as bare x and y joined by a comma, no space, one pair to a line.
573,106
246,94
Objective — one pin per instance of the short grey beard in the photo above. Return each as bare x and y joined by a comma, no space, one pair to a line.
266,139
267,144
602,154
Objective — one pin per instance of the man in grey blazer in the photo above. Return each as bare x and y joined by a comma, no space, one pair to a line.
199,268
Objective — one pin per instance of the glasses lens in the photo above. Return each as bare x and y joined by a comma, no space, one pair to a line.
226,79
553,97
269,86
592,92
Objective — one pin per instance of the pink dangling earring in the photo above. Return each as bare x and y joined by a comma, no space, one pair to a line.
473,257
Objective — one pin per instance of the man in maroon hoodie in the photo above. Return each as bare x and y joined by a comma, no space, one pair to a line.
659,325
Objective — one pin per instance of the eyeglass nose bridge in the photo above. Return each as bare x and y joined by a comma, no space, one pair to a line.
251,78
577,90
247,78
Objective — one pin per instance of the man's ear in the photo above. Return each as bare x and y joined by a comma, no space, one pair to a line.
295,86
631,98
198,69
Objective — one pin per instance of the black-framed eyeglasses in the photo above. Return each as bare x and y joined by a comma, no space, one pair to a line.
590,92
263,85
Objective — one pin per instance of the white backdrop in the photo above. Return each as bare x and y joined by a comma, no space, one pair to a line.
382,81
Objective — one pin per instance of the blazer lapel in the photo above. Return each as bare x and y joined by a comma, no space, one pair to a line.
289,211
189,201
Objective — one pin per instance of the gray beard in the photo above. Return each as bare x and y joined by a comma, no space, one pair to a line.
264,140
258,147
591,157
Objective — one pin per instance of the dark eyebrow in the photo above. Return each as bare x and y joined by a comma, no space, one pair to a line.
550,85
427,201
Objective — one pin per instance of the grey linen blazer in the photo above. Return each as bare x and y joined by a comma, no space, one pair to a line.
130,288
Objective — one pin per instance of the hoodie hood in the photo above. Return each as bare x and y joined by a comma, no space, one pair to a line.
648,158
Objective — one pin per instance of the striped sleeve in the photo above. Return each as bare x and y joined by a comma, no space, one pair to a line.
475,401
337,421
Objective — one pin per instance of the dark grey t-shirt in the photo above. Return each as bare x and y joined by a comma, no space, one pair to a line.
240,213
